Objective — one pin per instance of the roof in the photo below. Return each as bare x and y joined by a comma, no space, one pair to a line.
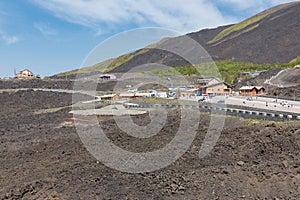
108,96
127,95
259,87
192,90
206,80
143,94
247,88
135,94
206,86
107,75
203,80
25,70
251,87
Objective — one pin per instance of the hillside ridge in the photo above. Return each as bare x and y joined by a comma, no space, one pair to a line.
269,37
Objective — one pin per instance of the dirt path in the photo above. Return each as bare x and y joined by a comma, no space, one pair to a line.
286,78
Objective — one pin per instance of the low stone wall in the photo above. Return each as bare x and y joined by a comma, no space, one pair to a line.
56,84
36,83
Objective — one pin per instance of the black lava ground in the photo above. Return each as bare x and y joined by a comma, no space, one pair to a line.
42,157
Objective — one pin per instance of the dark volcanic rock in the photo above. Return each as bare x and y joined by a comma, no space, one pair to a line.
273,39
57,84
42,158
276,39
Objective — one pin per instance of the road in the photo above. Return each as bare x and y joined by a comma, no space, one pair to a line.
263,103
259,102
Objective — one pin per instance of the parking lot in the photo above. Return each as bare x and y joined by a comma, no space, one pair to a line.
256,102
263,103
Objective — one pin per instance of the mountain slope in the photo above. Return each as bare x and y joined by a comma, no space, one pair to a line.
272,39
268,37
272,36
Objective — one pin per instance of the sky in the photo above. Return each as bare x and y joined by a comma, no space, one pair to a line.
52,36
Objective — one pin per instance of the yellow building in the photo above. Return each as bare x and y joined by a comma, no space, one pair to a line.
24,74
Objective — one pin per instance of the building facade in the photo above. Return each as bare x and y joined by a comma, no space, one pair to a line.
106,77
221,88
25,74
251,90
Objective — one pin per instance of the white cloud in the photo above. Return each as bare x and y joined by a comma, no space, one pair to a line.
9,39
180,15
45,29
252,4
276,2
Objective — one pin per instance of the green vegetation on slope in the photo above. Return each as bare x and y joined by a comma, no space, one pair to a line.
125,58
119,61
100,67
228,69
111,64
292,63
246,23
106,66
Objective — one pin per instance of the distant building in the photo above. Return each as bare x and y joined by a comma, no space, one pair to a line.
126,96
220,88
212,86
161,95
201,82
24,74
244,75
144,94
106,77
251,90
109,97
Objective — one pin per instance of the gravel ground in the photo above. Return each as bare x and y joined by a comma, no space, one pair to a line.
42,157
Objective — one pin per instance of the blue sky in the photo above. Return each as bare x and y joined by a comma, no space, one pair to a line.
51,36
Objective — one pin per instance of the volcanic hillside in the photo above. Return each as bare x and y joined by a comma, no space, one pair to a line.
268,37
286,78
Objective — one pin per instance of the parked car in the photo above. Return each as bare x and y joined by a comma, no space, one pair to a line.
249,99
284,103
202,99
221,101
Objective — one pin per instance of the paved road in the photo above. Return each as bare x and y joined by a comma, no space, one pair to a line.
260,102
263,103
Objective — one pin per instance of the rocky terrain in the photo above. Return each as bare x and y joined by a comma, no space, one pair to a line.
286,78
42,157
278,82
55,84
